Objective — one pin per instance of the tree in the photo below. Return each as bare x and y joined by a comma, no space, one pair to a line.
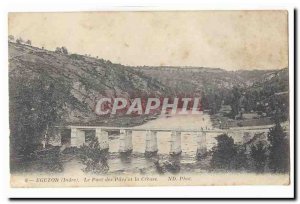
280,109
258,154
278,149
19,41
223,153
240,160
94,159
64,50
36,102
58,50
234,102
11,38
28,42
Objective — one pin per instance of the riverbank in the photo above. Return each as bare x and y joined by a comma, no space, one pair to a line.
222,122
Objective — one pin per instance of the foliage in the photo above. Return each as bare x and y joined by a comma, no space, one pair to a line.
240,160
58,50
212,98
258,154
279,109
234,101
64,50
77,57
223,153
19,41
278,149
28,42
61,50
11,38
172,166
229,156
36,103
266,96
94,159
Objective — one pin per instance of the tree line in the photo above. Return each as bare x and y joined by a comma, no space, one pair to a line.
272,157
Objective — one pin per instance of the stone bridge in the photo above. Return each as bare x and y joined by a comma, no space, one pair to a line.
78,138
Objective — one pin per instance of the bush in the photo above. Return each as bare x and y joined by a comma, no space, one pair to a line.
240,160
278,150
11,38
223,153
58,50
77,57
19,41
258,153
28,42
94,159
62,50
229,156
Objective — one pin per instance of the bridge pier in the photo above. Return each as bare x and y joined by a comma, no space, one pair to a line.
125,141
77,137
102,137
151,143
201,141
175,143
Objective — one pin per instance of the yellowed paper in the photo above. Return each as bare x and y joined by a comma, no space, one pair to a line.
173,98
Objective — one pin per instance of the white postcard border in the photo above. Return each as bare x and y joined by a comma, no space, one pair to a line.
138,192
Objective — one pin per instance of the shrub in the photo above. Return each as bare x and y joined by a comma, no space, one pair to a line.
223,153
28,42
58,50
64,50
77,57
94,159
240,160
19,41
278,150
11,38
258,153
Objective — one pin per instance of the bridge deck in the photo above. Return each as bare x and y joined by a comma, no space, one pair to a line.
254,128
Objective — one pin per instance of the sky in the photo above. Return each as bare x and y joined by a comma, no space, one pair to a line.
231,40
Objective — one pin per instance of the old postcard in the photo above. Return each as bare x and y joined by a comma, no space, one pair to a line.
149,98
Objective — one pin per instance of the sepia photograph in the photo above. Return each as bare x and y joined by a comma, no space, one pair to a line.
149,98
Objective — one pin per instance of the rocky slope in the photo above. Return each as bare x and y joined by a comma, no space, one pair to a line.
84,80
187,79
